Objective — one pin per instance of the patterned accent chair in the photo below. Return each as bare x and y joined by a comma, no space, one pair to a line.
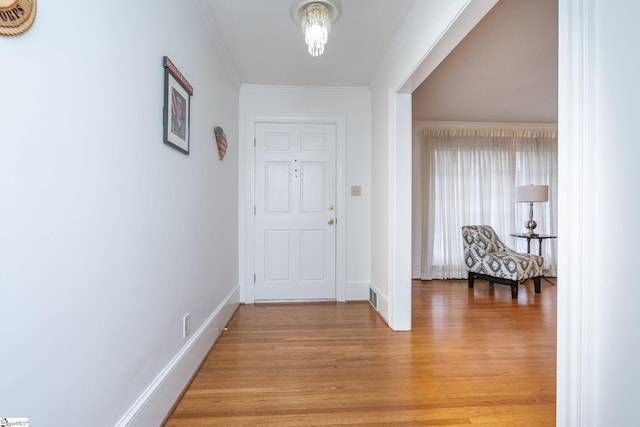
488,258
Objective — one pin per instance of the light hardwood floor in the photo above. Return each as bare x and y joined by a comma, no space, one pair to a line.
474,356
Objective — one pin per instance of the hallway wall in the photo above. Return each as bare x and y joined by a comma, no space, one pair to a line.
108,237
351,107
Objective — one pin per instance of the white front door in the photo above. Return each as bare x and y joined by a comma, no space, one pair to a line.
295,196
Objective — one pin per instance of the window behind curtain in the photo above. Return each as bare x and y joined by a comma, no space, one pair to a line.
468,178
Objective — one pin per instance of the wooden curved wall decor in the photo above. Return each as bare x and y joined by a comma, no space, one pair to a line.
16,16
221,140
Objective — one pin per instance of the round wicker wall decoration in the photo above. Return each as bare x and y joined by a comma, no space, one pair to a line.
16,16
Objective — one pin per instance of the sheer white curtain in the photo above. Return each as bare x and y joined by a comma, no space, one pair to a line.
469,177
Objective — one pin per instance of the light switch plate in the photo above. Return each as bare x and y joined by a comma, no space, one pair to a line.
356,190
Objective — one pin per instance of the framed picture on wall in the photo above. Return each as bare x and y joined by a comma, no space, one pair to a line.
177,107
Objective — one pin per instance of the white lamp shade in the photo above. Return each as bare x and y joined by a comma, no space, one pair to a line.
532,193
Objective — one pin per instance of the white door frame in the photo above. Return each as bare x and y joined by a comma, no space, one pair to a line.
246,199
576,150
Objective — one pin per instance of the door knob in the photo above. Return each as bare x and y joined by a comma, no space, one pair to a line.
330,221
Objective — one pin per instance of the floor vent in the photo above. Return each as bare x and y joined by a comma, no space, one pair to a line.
373,298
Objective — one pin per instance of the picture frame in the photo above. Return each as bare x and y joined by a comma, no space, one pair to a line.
177,108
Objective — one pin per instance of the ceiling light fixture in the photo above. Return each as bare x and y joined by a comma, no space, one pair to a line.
315,18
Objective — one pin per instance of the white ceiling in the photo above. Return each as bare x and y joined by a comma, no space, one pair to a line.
267,47
505,70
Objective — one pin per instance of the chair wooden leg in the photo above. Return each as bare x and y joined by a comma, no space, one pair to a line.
514,289
536,284
471,277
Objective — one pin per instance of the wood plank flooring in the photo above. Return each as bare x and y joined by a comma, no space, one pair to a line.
474,356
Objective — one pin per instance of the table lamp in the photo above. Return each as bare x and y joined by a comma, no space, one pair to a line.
530,194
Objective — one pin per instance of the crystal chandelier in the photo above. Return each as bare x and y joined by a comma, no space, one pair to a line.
315,27
315,18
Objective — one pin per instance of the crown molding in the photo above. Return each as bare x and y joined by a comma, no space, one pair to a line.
255,89
422,125
212,26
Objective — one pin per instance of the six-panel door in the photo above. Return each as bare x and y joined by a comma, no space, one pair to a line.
295,189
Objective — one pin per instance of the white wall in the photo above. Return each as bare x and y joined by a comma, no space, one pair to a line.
617,92
598,315
351,107
431,31
108,236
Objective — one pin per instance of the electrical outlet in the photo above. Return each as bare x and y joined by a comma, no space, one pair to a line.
186,325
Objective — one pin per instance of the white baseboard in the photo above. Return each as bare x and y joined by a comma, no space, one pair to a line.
153,405
383,307
416,271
